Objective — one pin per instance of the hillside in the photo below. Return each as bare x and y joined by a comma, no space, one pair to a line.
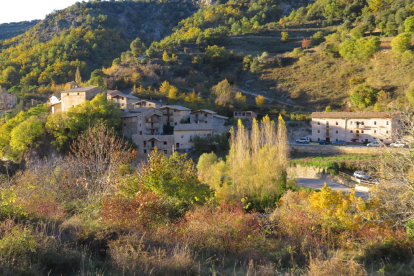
9,30
315,66
302,55
86,35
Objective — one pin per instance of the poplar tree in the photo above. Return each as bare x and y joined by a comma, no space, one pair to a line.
257,163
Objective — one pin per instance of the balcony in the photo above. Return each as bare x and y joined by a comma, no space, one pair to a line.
167,113
152,120
152,126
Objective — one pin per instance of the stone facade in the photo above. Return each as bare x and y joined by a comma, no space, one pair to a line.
205,116
147,104
173,115
76,96
143,121
184,134
125,101
249,115
355,126
7,100
147,143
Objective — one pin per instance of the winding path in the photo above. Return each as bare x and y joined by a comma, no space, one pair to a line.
266,98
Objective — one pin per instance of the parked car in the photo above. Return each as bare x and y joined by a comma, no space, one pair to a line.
374,144
305,140
339,143
323,142
361,175
398,144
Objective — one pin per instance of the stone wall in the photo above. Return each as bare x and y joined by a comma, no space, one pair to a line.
327,149
299,171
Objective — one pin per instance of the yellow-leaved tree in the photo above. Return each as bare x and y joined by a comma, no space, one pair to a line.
255,169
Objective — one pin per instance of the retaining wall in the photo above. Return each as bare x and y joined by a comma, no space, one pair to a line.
327,149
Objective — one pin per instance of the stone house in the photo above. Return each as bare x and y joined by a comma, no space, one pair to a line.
75,96
7,100
184,134
55,103
173,115
125,101
143,121
206,116
249,115
147,104
147,143
355,126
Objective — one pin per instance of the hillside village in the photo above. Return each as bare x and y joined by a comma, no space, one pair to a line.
146,122
154,124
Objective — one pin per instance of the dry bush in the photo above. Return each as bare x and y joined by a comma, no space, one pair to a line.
130,255
96,157
335,267
227,229
143,211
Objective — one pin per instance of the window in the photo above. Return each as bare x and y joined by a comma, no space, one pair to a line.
362,123
319,131
124,124
375,131
165,142
387,123
165,151
319,123
78,93
175,123
182,136
205,115
350,123
145,151
386,132
67,94
351,131
336,132
362,131
336,122
145,143
375,123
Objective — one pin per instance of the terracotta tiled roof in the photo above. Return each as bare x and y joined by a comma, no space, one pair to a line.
354,115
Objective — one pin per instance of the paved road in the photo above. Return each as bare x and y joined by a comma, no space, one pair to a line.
315,183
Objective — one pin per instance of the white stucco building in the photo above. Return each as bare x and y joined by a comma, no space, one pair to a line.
355,126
